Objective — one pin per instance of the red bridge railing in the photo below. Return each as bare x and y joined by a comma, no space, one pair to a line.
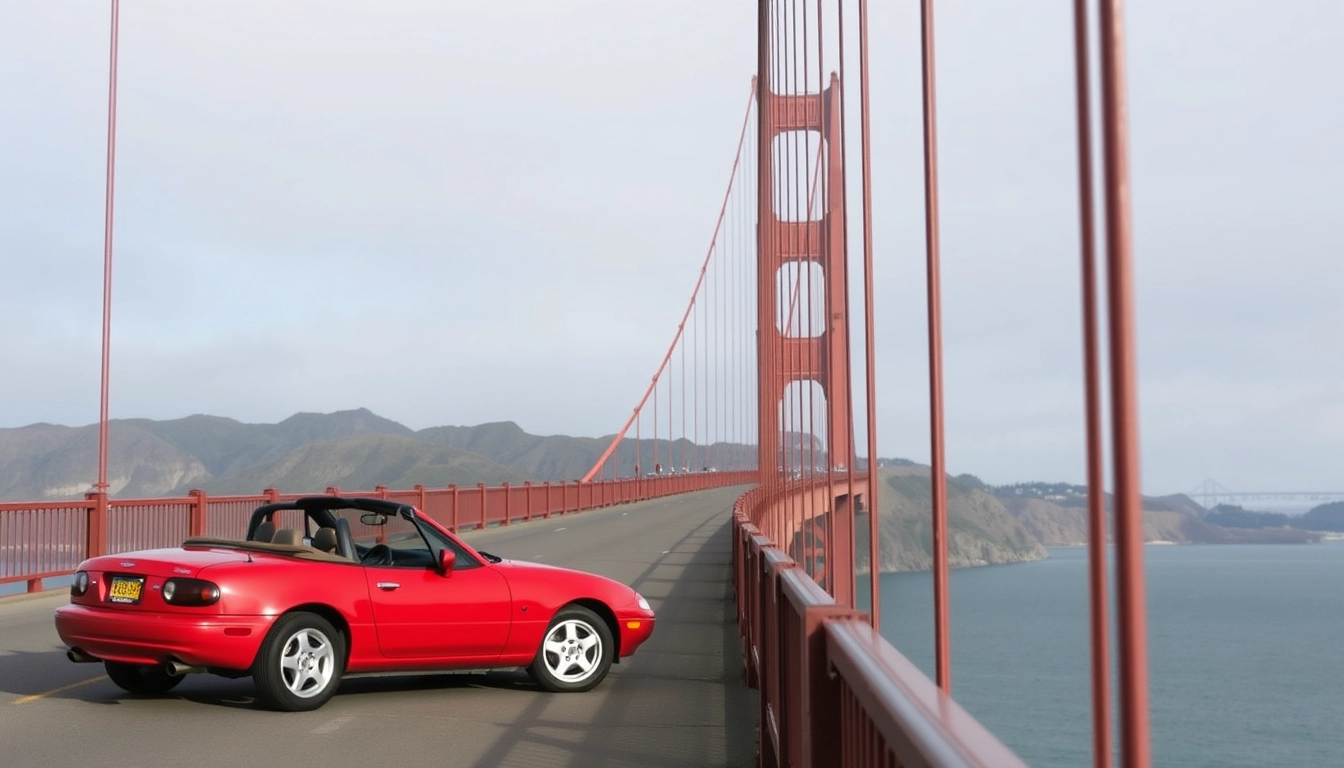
833,691
44,540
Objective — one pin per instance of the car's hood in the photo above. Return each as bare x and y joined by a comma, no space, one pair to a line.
541,571
525,565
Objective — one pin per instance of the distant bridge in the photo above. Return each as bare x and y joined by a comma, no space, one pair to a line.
1211,493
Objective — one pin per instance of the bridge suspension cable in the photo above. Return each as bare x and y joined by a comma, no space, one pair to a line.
697,315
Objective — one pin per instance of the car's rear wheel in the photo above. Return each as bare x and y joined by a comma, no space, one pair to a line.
300,663
145,680
576,653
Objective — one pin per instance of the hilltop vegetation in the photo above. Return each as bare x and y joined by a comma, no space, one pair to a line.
1325,517
309,452
1175,519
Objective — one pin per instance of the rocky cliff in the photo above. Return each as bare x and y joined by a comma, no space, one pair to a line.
980,529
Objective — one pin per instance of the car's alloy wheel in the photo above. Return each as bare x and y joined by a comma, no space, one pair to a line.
300,664
576,652
138,679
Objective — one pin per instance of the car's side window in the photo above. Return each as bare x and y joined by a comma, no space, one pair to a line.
441,542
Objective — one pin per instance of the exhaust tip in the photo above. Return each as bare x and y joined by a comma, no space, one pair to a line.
177,668
79,656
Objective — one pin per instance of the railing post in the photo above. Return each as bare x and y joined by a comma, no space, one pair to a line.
528,512
380,491
546,514
422,500
485,505
272,495
199,507
95,542
333,490
508,510
453,490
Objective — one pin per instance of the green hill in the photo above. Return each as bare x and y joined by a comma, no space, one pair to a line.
363,462
311,451
45,461
980,529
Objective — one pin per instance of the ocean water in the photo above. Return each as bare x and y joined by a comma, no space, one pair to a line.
1245,642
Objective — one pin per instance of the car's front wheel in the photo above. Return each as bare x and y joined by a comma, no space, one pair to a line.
300,663
151,681
576,652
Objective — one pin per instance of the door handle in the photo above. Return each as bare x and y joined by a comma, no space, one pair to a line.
388,585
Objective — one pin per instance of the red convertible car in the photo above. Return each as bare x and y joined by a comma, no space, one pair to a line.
324,586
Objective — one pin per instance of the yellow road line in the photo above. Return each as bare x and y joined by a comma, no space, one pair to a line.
55,691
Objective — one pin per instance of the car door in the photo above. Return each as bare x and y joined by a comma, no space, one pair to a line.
420,613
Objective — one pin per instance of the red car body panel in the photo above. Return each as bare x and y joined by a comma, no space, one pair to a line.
483,614
540,594
426,615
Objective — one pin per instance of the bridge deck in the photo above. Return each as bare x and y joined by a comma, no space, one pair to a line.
680,701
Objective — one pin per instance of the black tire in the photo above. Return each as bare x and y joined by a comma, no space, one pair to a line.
300,663
575,653
149,681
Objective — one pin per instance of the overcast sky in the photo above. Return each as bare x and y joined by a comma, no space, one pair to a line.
454,213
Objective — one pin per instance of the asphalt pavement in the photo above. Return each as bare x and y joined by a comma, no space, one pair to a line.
679,701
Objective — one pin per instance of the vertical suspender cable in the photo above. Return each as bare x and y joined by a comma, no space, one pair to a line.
938,481
790,146
869,321
849,452
823,249
767,278
1096,514
696,305
107,247
1135,750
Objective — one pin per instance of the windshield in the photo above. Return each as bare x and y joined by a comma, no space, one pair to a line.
410,545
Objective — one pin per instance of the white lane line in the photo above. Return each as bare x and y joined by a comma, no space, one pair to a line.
333,725
557,530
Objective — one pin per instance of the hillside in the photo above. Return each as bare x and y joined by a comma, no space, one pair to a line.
45,461
980,530
364,462
311,451
1177,519
560,457
225,446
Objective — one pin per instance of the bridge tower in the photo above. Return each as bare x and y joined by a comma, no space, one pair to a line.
806,352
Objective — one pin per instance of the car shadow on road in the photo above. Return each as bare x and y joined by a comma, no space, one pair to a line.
25,673
680,700
240,693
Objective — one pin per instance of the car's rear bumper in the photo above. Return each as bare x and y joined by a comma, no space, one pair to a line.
635,627
144,637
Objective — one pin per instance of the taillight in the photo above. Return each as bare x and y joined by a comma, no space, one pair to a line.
80,585
190,592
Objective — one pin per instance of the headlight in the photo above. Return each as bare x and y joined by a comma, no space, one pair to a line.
80,584
643,603
190,592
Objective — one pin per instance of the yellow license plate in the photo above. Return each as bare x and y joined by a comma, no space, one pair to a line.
126,590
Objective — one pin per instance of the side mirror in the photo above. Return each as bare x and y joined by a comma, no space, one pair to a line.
447,559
